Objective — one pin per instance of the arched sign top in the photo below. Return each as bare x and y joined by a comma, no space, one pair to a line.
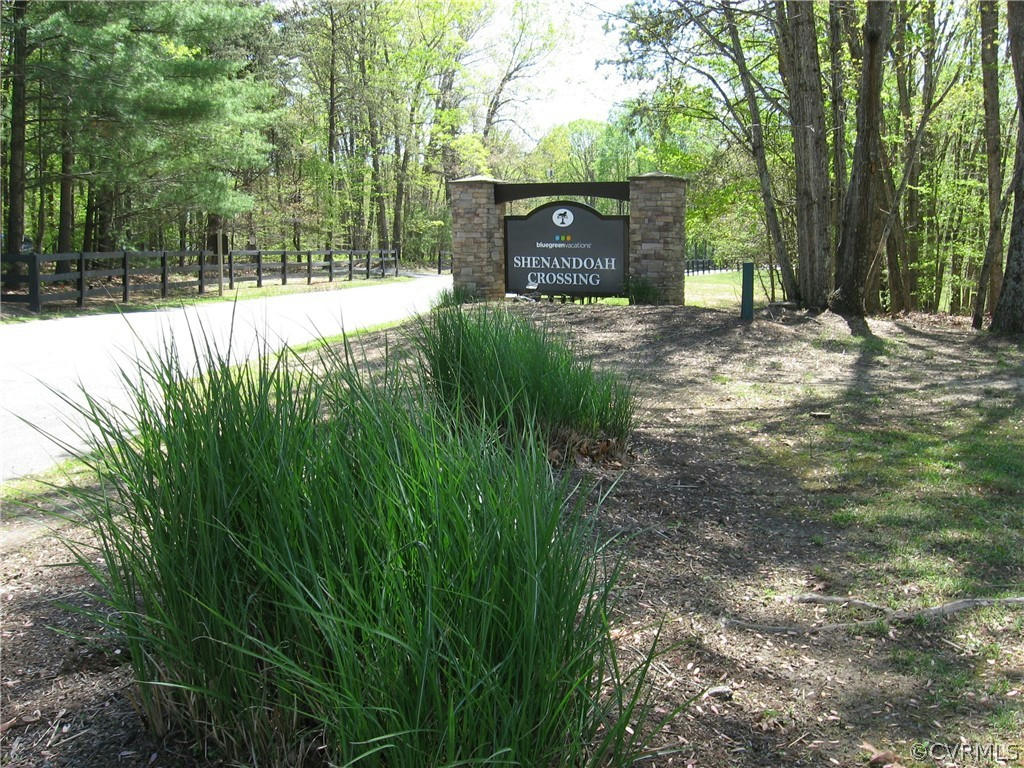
566,248
615,190
571,206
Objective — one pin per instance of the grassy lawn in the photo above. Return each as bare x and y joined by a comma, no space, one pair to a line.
721,290
18,313
718,290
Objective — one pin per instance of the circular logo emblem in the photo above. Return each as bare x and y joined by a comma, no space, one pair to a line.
562,217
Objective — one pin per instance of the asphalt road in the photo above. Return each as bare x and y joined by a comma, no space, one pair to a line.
42,360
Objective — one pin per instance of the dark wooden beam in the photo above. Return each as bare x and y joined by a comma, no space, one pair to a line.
616,190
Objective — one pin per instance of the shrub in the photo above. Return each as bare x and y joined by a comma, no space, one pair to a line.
309,565
454,297
640,290
502,368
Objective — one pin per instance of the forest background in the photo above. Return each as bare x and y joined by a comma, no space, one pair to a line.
862,152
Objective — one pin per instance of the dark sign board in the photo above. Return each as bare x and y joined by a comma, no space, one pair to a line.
566,249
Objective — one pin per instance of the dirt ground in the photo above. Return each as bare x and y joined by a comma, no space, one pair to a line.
718,538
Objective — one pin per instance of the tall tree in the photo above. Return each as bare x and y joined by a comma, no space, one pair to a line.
1009,313
860,213
755,133
801,69
520,53
837,100
989,278
16,152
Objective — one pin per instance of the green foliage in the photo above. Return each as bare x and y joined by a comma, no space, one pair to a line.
640,290
500,368
311,564
454,297
153,97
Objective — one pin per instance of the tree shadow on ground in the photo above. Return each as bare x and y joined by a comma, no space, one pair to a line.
906,492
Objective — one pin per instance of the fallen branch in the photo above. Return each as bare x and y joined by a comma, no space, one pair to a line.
888,615
948,609
836,600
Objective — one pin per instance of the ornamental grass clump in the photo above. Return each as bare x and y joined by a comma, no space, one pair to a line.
309,565
502,368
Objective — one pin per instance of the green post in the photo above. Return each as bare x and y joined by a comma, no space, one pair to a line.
747,293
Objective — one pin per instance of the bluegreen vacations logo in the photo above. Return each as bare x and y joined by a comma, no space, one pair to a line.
562,217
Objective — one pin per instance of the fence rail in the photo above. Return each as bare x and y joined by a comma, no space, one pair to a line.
69,278
695,266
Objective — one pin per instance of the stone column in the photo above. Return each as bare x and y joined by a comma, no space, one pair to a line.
478,237
657,234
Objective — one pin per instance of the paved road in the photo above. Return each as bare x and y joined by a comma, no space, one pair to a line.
42,358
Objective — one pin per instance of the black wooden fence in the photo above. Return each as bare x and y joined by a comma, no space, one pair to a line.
77,276
695,266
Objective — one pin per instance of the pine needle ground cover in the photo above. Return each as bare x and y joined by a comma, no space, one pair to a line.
309,564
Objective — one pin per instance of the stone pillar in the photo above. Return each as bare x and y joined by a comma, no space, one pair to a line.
657,234
478,237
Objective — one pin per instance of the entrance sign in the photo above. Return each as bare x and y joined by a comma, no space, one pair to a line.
567,249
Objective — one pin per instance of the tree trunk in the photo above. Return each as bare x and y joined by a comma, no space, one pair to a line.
16,153
182,238
856,247
956,267
42,183
105,219
215,224
89,225
402,156
376,179
401,170
1009,313
798,52
907,257
990,277
893,233
332,123
756,136
66,224
837,97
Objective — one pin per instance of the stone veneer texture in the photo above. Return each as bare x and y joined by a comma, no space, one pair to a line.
478,232
657,233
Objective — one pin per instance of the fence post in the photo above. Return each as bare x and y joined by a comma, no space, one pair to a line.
350,266
284,267
124,264
231,270
367,264
330,266
163,274
309,267
439,261
747,292
35,302
383,263
259,269
81,278
202,272
397,257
